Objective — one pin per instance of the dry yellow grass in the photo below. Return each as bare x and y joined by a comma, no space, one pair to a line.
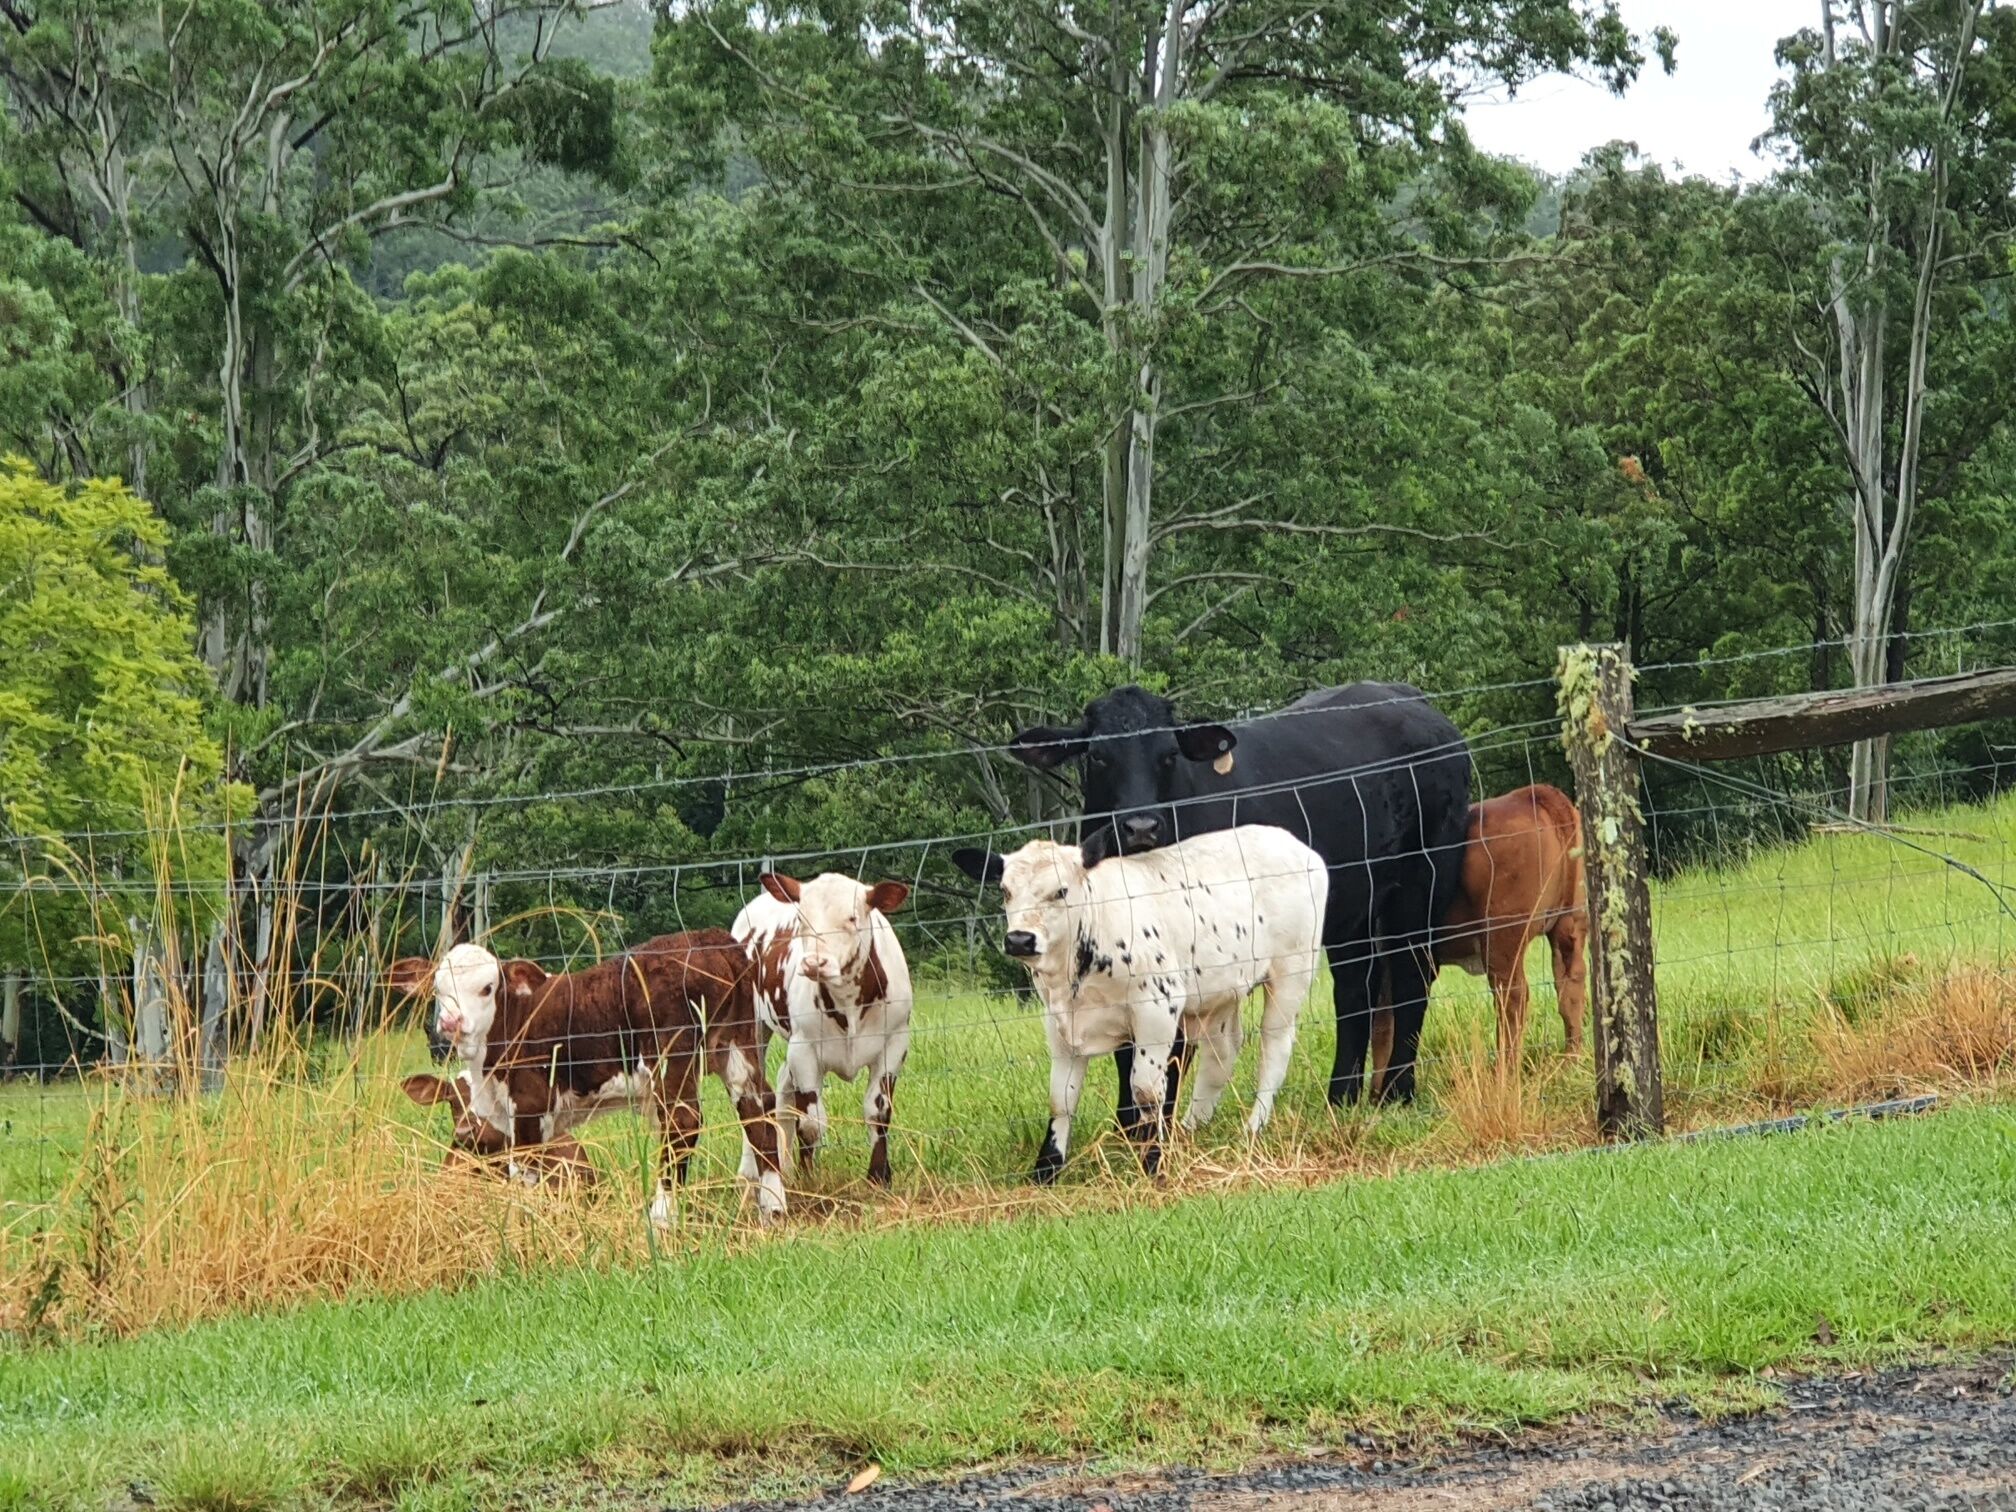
311,1177
284,1190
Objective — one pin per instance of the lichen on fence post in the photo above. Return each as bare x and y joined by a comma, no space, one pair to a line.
1595,702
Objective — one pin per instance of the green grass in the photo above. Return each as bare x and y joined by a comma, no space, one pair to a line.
1756,946
1203,1331
1207,1329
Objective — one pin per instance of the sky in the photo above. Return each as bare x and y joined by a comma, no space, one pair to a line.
1702,119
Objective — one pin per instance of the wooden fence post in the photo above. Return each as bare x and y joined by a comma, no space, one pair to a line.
1595,704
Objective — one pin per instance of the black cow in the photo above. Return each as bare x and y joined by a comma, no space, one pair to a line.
1372,776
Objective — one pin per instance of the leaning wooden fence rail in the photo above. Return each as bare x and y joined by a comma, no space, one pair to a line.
1801,721
1604,741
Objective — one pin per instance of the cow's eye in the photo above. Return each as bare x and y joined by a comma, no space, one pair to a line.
1099,760
1168,760
489,989
1058,896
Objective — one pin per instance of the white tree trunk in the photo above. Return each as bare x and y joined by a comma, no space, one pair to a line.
1148,256
150,1007
213,1041
10,1021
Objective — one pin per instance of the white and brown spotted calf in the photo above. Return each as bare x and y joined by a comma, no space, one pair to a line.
832,981
1158,948
546,1052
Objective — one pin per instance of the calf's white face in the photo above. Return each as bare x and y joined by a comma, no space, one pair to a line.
834,923
1040,885
466,985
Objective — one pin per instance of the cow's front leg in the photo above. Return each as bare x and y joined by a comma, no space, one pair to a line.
1155,1034
1067,1080
879,1101
800,1099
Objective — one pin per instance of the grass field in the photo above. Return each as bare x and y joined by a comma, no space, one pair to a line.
1205,1331
494,1334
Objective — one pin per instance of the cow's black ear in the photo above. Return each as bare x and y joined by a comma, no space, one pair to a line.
1048,746
983,866
1205,742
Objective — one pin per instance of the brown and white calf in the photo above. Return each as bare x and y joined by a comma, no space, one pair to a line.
832,981
546,1052
473,1141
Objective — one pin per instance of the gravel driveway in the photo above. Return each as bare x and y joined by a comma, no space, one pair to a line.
1936,1437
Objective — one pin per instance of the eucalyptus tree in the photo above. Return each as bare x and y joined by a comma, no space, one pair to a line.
271,143
1898,123
1149,192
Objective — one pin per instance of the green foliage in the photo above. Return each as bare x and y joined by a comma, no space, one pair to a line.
797,430
101,711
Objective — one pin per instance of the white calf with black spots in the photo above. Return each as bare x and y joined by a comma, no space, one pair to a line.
1142,948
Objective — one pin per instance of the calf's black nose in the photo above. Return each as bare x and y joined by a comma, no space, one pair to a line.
1141,830
1020,942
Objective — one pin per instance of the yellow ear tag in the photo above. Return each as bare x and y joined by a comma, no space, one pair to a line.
1223,765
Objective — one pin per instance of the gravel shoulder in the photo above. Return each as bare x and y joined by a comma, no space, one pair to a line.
1929,1437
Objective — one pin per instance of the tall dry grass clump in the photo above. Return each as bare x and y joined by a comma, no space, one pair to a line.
248,1142
1956,1027
1496,1109
277,1191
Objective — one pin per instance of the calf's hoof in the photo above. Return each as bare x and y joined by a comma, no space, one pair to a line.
770,1198
664,1215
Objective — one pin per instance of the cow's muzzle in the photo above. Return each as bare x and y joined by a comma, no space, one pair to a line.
1021,944
1139,832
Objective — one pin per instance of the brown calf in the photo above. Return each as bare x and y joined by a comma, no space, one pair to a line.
1522,878
473,1141
546,1052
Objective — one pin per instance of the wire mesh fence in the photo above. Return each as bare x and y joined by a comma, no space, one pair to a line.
1801,962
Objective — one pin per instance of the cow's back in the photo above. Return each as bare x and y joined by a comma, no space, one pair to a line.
1522,868
1366,769
1214,909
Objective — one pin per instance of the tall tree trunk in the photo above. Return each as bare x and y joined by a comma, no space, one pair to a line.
118,195
219,651
1112,231
10,1021
213,1039
1161,76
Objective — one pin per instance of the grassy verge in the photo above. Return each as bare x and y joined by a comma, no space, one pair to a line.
1845,969
1206,1330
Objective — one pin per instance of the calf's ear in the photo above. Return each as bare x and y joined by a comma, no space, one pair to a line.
983,866
1048,746
521,977
1205,742
427,1090
784,889
409,976
887,897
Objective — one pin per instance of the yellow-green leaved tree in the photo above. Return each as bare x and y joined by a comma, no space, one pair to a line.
112,791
